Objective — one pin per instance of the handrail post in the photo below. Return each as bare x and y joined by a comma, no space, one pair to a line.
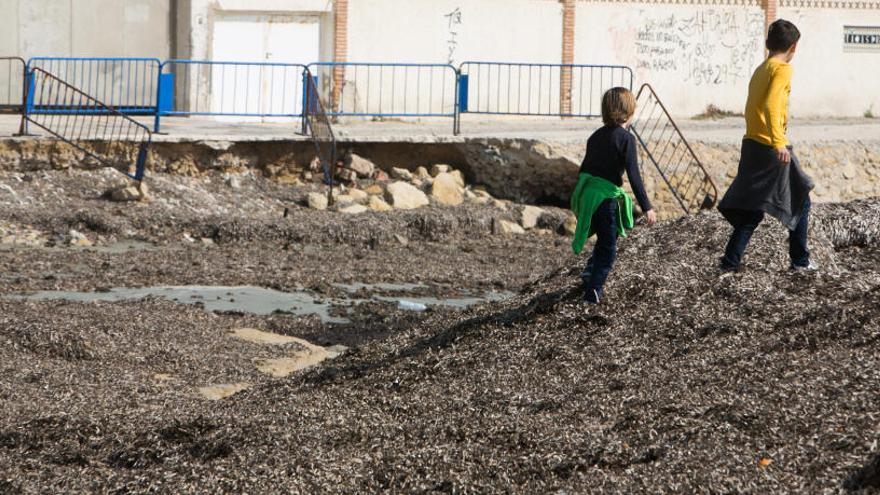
158,116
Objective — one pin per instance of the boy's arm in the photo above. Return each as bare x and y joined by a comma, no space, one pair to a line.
633,174
777,101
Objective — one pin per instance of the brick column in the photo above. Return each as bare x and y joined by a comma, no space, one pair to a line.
340,48
769,13
568,9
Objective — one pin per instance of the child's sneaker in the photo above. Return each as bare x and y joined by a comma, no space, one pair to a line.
809,268
591,296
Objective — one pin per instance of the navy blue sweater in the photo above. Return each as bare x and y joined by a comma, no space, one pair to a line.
611,150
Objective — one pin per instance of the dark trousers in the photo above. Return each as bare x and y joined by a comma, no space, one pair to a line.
744,224
604,222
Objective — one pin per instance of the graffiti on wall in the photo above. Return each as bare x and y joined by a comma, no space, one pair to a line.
454,21
705,47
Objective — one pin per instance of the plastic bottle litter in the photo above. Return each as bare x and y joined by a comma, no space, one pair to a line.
411,306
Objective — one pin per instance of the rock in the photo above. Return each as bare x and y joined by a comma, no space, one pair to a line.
506,227
188,238
361,166
529,215
128,193
144,191
343,200
317,201
459,177
378,204
78,239
404,196
358,195
353,209
401,174
307,175
374,189
422,173
233,181
380,175
446,190
440,169
401,239
288,180
570,225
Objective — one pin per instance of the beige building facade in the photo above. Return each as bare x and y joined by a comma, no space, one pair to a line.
694,52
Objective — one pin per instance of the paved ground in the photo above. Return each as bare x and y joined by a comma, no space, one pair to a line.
440,130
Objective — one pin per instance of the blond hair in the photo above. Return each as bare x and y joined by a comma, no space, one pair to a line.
618,105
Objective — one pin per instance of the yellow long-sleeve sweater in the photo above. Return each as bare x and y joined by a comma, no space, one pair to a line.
767,106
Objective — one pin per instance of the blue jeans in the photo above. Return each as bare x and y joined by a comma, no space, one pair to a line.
604,222
744,224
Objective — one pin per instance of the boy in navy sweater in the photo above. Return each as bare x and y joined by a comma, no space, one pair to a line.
601,205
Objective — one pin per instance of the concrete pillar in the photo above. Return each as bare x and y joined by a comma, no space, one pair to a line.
340,48
568,10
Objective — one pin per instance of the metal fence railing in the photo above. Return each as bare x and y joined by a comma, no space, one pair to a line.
129,85
666,148
262,91
561,90
108,136
318,126
12,87
230,89
387,90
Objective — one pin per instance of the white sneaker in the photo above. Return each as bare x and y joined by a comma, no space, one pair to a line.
812,267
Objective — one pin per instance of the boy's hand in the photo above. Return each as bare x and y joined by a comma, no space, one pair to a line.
651,217
783,155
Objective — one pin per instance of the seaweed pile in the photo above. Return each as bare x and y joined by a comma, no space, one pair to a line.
683,380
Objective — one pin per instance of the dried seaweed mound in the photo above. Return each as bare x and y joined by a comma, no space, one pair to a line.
683,380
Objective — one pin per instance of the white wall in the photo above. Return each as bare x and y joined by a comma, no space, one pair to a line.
828,80
693,56
420,30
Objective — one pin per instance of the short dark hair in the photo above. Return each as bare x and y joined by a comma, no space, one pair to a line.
782,35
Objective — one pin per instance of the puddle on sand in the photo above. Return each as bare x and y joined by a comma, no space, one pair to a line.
222,390
452,302
356,286
261,301
246,299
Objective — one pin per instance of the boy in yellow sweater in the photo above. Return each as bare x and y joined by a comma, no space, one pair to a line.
769,178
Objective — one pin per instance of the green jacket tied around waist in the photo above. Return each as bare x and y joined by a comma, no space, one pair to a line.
590,192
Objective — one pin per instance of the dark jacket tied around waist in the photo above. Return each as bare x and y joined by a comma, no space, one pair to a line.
763,184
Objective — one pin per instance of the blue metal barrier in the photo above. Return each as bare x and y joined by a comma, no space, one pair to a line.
356,89
231,89
565,90
128,85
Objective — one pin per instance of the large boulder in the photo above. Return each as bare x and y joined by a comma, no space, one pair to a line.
401,174
361,166
529,216
353,209
317,201
405,196
445,190
507,227
378,204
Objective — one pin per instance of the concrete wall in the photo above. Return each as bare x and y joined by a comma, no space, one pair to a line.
443,31
827,79
693,55
87,28
81,28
